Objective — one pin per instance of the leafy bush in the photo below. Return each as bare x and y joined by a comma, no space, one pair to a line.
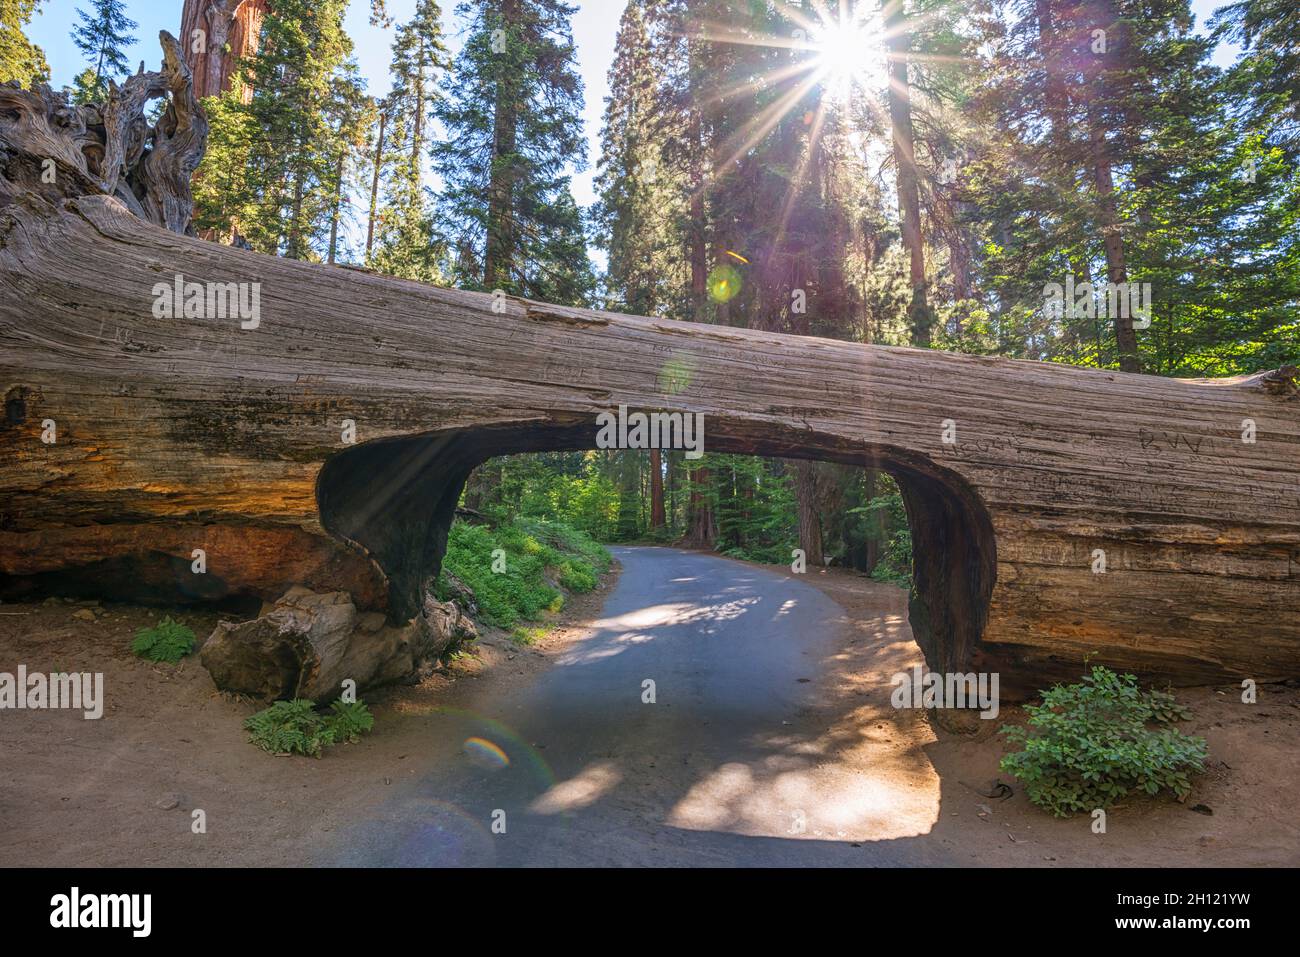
577,577
1090,745
532,547
168,641
350,720
566,539
895,565
296,727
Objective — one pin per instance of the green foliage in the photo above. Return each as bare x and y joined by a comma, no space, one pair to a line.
1090,744
102,37
754,505
404,226
574,485
168,641
895,565
349,720
536,552
883,522
296,727
512,111
271,172
20,59
577,577
526,635
642,195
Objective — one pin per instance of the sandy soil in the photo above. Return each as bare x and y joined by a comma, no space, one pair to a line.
121,790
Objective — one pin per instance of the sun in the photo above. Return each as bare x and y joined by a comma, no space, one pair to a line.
844,52
841,49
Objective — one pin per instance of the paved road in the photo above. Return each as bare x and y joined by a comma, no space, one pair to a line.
582,771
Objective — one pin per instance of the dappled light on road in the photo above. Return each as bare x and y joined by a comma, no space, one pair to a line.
580,791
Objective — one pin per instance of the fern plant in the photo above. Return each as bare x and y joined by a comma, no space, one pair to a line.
168,641
296,727
349,720
1090,744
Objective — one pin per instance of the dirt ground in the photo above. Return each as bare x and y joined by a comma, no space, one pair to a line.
122,790
1241,812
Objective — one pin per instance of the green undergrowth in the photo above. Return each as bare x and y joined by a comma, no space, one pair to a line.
519,570
1092,743
168,641
296,727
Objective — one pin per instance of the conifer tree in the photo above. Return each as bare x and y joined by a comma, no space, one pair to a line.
102,36
271,170
406,245
511,113
640,194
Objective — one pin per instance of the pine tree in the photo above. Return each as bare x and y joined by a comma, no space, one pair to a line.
271,169
20,59
102,35
1270,32
350,114
511,113
641,195
1115,156
899,95
406,245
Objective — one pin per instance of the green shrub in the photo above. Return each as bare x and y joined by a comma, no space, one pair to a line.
296,727
577,577
168,641
534,548
528,636
895,565
350,720
1090,744
568,540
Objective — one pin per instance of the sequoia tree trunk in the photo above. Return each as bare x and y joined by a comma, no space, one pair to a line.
299,423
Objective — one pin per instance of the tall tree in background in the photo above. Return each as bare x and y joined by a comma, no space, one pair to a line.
218,35
512,116
1116,152
102,36
20,59
350,114
272,162
899,95
406,245
1270,32
640,194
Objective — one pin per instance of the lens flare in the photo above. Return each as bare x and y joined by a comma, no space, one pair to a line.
487,753
724,284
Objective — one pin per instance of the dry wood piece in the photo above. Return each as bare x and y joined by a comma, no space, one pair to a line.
54,149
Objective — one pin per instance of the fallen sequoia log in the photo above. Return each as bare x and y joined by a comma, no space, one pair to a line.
307,425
